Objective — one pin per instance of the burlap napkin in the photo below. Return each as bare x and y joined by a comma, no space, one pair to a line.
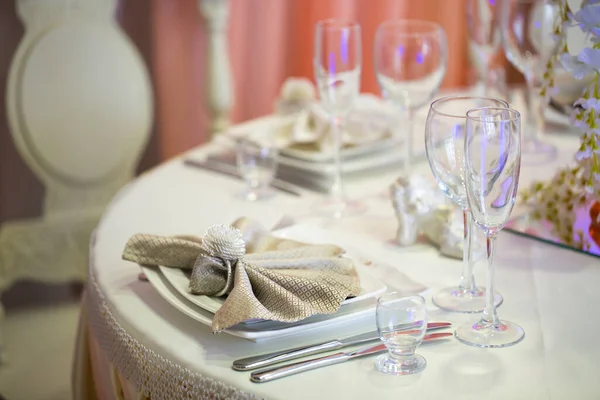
263,277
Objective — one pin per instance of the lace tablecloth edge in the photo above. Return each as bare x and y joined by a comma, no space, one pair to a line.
152,374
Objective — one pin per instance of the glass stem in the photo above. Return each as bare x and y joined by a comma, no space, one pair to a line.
467,279
408,145
490,316
536,105
337,187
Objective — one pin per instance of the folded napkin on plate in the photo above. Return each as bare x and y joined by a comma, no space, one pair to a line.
264,277
370,120
308,128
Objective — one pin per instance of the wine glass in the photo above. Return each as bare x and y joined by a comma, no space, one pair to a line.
401,324
410,64
445,133
492,164
337,67
527,28
484,39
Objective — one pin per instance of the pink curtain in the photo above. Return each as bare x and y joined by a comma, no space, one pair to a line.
270,40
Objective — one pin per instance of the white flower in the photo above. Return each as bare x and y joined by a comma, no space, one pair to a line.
557,199
580,118
588,104
574,66
580,124
583,154
588,18
590,57
593,103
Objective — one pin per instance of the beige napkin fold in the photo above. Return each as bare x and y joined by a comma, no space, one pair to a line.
371,120
308,127
264,277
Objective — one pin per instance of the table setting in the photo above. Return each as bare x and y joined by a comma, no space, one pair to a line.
352,245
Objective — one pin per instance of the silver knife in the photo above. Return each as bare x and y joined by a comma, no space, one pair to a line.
229,170
267,375
246,364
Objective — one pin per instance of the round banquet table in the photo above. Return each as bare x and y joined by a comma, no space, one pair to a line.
133,343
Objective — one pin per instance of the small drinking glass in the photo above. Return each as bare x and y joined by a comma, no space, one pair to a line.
401,323
492,165
257,164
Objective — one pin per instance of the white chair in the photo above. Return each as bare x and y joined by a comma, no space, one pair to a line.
80,109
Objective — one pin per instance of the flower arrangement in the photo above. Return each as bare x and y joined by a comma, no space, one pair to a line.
576,186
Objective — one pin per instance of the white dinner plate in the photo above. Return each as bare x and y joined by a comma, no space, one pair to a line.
347,153
265,330
306,156
180,281
357,308
392,155
320,176
368,104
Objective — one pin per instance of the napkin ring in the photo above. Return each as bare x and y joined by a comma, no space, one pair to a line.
213,271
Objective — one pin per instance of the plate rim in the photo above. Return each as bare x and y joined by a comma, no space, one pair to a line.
184,306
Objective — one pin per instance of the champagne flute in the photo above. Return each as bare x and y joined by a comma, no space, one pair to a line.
337,66
527,28
445,132
492,165
410,64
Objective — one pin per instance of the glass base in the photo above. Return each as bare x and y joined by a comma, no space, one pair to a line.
339,208
534,151
460,300
388,365
486,335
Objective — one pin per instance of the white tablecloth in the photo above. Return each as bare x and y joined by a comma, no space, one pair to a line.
553,293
